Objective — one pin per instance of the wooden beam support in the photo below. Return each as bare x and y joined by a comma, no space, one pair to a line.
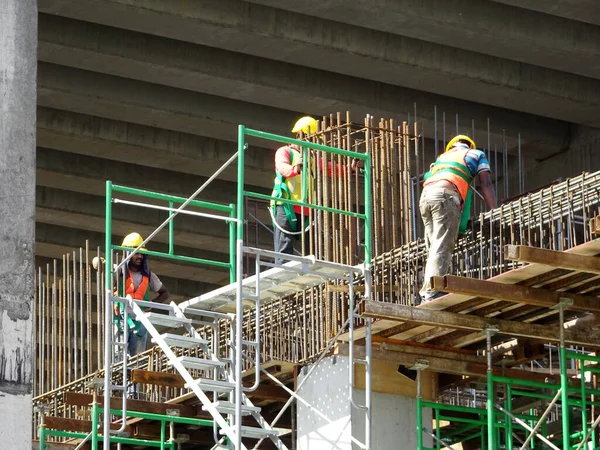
595,225
454,366
401,313
562,260
512,292
80,426
173,380
85,400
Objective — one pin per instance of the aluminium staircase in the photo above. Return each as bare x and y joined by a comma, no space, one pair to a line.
216,387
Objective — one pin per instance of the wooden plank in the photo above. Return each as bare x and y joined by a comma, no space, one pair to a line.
563,260
173,380
595,225
445,365
386,379
475,323
515,293
77,399
81,426
386,340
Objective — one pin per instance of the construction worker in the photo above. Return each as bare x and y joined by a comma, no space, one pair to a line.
138,283
445,203
287,219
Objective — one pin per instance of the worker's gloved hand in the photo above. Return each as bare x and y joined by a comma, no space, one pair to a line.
95,262
117,309
298,163
357,164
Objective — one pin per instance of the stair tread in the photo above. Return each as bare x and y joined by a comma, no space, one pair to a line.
213,385
192,362
226,407
175,340
250,432
165,320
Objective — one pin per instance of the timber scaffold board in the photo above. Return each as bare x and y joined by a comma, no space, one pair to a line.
521,303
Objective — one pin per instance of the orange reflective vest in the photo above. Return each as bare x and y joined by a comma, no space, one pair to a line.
141,293
452,167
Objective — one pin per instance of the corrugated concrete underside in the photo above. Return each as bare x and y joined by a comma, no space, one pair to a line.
149,94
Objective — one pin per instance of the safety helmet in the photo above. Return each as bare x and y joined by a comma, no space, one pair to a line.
306,124
461,138
133,240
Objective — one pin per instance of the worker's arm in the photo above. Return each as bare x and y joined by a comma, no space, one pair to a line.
283,166
163,295
487,188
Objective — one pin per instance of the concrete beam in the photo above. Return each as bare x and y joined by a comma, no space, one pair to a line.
277,34
485,27
264,81
86,212
154,105
88,175
148,146
581,10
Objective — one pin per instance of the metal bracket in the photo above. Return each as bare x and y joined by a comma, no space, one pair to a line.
95,383
491,330
173,412
420,364
565,302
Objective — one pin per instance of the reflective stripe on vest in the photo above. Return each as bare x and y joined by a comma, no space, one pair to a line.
452,167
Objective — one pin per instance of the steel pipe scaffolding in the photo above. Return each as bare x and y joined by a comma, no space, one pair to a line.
298,328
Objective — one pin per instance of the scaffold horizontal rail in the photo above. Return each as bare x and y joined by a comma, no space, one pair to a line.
469,322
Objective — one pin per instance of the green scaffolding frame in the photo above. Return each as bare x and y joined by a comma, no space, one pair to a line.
496,431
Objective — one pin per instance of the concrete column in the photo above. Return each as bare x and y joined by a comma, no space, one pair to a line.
327,390
18,62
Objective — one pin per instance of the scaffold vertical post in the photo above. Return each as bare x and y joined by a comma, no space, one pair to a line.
491,423
107,322
564,377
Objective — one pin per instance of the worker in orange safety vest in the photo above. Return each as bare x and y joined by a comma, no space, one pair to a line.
445,204
137,282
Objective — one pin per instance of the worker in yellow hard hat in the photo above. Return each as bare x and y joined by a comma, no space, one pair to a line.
445,203
287,219
138,282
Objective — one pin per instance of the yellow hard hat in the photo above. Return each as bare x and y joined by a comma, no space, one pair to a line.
306,124
133,240
461,137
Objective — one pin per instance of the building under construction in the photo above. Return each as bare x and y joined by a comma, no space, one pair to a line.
329,347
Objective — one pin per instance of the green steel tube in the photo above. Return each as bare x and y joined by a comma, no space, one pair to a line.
207,262
171,231
172,198
528,383
163,417
437,429
232,231
564,397
107,317
482,438
368,209
240,182
42,437
461,430
310,205
299,143
584,427
508,419
94,426
580,356
113,439
162,435
463,420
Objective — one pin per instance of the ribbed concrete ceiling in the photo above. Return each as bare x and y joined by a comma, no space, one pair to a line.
149,93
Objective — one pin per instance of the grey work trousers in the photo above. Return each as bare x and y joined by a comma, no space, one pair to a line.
441,213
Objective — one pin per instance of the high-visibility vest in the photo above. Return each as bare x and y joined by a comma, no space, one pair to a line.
290,188
452,167
141,293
